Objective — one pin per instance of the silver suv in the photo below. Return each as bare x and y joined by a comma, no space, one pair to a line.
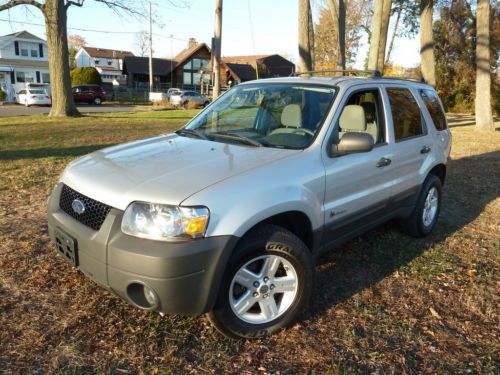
227,215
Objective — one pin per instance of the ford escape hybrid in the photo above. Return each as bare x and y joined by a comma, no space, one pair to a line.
227,215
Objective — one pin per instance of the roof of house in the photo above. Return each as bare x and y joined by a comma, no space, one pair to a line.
188,52
19,35
29,63
245,72
105,53
140,65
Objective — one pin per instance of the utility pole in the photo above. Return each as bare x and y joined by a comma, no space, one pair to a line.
216,51
150,49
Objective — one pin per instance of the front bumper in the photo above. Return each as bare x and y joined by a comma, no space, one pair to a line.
185,276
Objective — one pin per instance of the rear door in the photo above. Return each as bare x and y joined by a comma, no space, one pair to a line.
358,186
412,142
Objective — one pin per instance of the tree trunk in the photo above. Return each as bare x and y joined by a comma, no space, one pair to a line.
391,44
484,117
338,12
306,36
375,35
384,29
427,42
57,40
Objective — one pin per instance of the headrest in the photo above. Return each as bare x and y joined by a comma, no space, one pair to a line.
353,119
291,117
370,111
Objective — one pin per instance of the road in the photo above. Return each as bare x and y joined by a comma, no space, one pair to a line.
20,110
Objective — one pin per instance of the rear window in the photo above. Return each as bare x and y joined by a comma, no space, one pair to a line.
37,92
432,104
406,116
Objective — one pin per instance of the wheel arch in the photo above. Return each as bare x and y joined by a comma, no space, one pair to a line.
439,171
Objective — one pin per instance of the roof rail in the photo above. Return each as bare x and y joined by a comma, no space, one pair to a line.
346,72
419,80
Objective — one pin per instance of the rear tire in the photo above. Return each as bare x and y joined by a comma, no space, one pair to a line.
278,270
97,101
425,215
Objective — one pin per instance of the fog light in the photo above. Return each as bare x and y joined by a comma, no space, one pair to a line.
150,296
143,296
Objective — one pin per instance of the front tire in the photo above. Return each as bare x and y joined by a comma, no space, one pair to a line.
267,283
424,216
97,101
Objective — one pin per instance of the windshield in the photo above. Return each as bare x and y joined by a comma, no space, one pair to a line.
280,115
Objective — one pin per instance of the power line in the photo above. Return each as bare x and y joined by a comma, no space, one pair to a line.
96,31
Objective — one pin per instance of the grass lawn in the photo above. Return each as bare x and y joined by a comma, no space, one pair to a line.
384,302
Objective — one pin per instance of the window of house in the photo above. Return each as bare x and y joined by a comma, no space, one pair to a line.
25,77
192,71
45,77
34,50
406,116
431,101
188,79
110,62
96,62
24,50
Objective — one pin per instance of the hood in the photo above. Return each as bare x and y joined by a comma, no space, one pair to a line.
165,169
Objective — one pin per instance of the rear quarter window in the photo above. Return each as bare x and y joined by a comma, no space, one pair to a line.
406,115
432,104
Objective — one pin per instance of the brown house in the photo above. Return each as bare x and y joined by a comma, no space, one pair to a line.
184,71
192,66
237,69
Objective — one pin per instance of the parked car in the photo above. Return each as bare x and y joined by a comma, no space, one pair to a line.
33,96
183,98
172,91
227,215
91,94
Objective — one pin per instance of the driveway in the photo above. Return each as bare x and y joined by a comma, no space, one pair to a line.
20,110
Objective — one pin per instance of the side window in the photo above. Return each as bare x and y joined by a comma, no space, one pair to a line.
363,112
406,116
431,101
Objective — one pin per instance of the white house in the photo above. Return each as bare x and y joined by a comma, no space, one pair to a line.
108,62
23,59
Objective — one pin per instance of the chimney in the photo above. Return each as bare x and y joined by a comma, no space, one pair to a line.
192,43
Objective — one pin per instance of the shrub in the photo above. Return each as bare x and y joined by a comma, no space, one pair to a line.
85,76
191,105
3,95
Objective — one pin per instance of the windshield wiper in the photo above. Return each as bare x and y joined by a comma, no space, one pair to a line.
192,132
238,137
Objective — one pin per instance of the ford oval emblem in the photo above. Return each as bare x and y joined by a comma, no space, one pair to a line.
78,206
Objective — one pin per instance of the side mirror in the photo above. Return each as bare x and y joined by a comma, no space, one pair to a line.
352,142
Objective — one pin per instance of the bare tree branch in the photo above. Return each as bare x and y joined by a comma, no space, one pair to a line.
13,3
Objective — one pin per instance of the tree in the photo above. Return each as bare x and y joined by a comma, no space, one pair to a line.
484,117
384,30
55,13
142,43
326,48
427,42
338,11
306,36
87,75
375,37
75,42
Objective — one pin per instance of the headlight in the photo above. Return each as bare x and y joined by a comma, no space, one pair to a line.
163,222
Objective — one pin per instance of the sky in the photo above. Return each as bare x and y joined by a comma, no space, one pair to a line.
249,27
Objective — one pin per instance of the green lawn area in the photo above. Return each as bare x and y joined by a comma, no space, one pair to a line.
383,303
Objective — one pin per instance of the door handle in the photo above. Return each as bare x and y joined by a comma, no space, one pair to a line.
425,150
383,162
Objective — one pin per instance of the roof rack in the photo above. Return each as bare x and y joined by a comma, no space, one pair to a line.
346,72
419,80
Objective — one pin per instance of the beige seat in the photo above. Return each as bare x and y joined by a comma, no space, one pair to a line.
352,119
291,119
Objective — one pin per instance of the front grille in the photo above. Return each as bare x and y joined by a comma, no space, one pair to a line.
94,214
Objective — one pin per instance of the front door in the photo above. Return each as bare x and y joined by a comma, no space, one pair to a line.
358,185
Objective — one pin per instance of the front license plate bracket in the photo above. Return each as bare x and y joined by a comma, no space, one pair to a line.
67,246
